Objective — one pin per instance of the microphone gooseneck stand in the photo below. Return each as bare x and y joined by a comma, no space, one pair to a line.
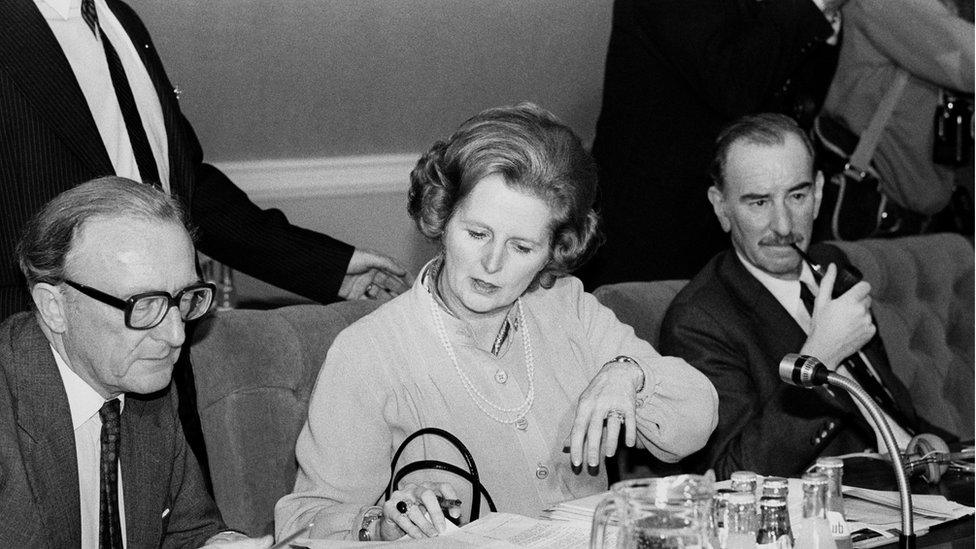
807,372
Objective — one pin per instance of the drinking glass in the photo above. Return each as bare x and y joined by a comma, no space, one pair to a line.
655,513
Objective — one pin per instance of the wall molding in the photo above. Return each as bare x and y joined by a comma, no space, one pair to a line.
311,178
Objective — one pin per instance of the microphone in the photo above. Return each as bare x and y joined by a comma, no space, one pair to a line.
807,371
803,371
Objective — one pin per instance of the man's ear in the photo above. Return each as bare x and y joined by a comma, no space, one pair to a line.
818,183
50,303
717,198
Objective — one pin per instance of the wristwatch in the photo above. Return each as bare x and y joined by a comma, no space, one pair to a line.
369,517
628,360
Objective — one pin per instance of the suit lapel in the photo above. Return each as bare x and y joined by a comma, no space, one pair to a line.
47,438
780,332
32,57
874,350
144,471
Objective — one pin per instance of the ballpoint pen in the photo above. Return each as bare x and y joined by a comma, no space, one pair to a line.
447,504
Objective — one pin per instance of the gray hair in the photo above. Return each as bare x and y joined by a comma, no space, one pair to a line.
49,235
759,129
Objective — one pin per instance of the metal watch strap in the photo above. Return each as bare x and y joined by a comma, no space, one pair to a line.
628,360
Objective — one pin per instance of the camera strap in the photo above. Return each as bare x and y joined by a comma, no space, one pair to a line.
860,162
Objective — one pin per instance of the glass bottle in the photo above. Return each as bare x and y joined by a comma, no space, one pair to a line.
741,522
813,530
774,525
775,487
744,481
833,469
720,516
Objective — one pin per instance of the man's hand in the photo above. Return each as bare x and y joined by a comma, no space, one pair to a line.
235,540
371,275
839,327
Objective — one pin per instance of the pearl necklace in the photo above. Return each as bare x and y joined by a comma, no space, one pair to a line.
473,392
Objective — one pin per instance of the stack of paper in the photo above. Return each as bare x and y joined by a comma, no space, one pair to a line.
577,510
923,506
493,531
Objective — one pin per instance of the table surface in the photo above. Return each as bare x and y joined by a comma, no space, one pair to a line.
955,486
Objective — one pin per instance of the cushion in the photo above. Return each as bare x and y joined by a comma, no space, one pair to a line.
254,373
922,290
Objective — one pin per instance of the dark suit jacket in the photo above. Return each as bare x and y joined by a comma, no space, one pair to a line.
49,143
729,326
676,72
39,501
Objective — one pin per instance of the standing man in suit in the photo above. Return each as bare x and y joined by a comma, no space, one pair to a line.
676,73
90,446
84,94
754,304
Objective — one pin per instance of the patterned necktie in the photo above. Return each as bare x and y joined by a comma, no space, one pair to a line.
109,524
127,103
859,371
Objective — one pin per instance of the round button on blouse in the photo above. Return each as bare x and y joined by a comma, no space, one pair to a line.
542,472
501,376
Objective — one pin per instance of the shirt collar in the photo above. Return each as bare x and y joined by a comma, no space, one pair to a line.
786,292
83,401
64,9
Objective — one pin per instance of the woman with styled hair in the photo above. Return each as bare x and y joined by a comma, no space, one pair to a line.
496,344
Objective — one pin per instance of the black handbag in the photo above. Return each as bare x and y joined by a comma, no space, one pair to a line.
854,205
471,475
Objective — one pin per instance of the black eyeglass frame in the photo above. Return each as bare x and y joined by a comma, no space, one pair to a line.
126,305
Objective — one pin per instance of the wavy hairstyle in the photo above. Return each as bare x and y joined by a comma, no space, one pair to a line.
534,153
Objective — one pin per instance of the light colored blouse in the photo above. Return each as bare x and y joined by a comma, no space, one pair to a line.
388,375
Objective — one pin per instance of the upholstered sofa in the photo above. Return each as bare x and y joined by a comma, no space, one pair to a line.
923,300
255,369
254,372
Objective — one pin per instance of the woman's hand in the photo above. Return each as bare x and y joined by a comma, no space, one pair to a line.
414,510
609,400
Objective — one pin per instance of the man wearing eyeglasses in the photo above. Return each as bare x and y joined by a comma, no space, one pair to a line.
91,450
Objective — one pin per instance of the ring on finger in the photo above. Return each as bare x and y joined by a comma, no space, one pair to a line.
402,507
615,414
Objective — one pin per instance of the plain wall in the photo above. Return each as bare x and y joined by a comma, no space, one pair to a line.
298,79
316,78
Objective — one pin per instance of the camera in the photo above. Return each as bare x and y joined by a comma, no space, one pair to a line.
953,143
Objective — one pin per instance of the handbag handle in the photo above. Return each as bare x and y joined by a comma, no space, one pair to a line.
471,475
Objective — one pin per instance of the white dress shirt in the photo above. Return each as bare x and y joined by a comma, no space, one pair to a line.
787,293
84,403
86,57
